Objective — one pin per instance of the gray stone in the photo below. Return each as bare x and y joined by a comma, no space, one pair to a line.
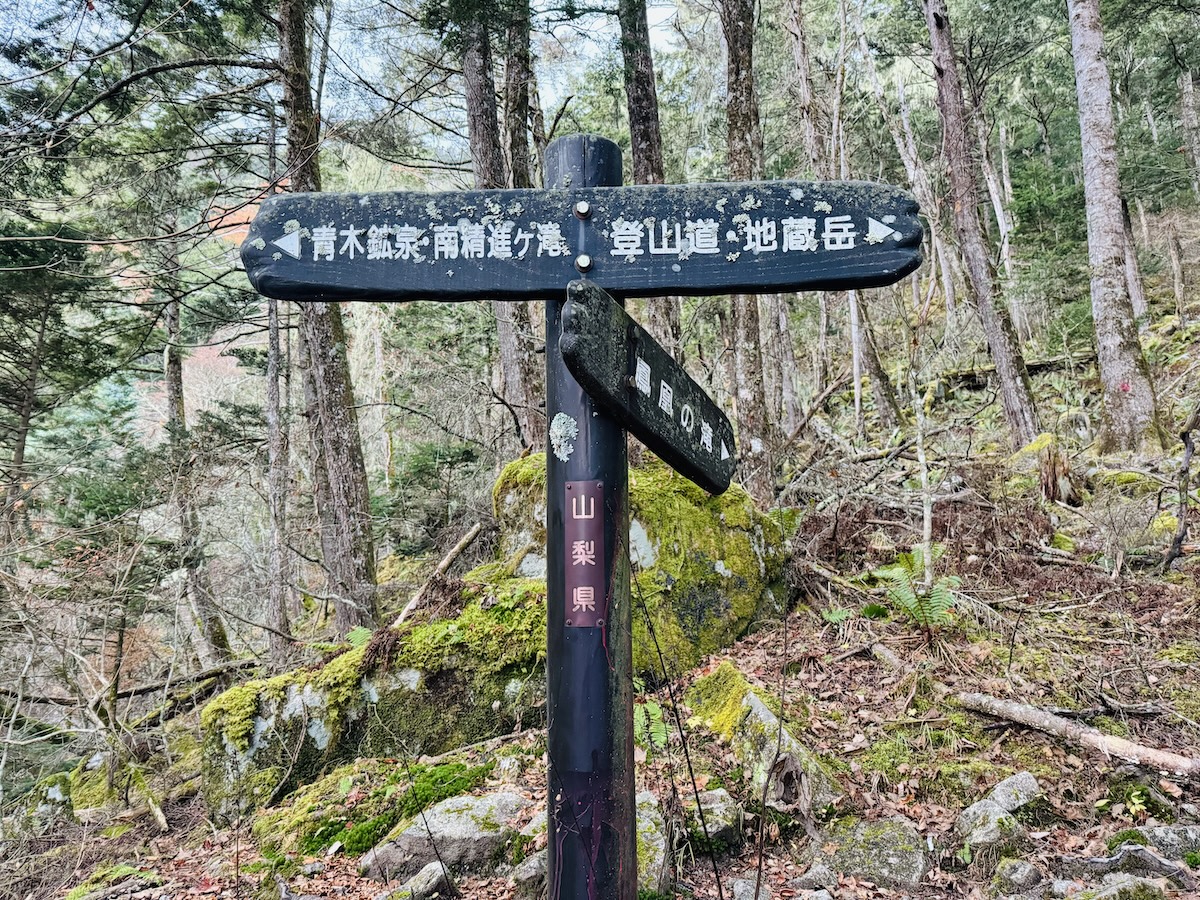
819,875
890,852
1061,887
722,818
1014,792
653,859
986,825
1128,887
1173,841
819,895
529,878
429,883
470,834
537,825
743,889
312,868
1189,811
1015,875
1131,859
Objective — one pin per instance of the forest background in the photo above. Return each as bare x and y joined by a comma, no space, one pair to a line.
197,480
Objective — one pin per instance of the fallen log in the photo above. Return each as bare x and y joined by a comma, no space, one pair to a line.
442,567
1083,735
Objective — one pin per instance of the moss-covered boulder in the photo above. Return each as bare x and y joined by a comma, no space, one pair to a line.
426,689
889,852
703,566
726,702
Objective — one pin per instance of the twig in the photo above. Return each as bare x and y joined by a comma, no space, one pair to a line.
442,567
1185,474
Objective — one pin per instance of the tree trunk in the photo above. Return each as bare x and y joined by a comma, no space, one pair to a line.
744,148
886,404
802,82
1190,111
303,123
279,647
1019,409
1133,272
517,73
1129,404
346,520
641,98
995,193
537,128
213,645
1175,252
16,468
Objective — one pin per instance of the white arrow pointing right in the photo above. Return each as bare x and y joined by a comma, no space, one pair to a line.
877,232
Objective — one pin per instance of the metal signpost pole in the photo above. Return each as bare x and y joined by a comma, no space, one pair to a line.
592,845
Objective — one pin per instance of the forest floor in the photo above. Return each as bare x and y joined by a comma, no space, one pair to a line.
1033,623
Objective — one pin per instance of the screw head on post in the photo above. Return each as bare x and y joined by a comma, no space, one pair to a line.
583,262
583,209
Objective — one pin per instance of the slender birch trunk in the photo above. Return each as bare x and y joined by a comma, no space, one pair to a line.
279,647
1130,411
1016,394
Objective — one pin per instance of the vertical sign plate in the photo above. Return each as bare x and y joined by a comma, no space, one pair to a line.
586,598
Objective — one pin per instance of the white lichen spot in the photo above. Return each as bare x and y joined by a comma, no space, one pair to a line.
516,208
740,219
449,273
822,206
642,552
319,732
731,236
721,569
675,267
432,211
291,225
494,208
732,257
797,194
563,431
874,238
54,792
756,445
889,220
721,204
258,244
751,202
277,256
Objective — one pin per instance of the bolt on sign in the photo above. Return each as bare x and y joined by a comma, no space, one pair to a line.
577,245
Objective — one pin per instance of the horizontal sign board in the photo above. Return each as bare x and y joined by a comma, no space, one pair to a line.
636,381
633,241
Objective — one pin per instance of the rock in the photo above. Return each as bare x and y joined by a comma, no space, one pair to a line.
471,834
448,684
889,852
819,895
727,703
431,882
537,825
1173,841
1128,887
1015,875
722,818
1014,792
653,860
529,878
743,889
986,825
818,876
1061,887
312,868
1132,859
705,565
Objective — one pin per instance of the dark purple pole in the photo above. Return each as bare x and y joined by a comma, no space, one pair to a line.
593,843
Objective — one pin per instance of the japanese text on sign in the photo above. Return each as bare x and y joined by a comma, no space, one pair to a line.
586,600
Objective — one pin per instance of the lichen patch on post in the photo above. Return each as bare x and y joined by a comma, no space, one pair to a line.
563,431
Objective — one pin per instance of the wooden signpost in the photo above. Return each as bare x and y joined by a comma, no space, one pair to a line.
579,244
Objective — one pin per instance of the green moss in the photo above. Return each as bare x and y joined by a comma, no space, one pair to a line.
360,804
232,714
90,789
886,757
111,875
1192,858
526,473
1111,726
1062,541
1128,835
1185,652
717,699
401,568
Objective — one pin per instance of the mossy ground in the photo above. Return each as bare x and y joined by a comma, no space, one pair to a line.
112,875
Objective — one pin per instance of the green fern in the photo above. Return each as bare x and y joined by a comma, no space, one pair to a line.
649,725
905,577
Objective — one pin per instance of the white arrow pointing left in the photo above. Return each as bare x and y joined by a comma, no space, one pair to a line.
290,244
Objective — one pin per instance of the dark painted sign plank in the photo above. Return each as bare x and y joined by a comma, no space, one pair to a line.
635,380
633,241
583,547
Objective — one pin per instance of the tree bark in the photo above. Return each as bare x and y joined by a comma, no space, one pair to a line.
1130,413
1133,272
213,644
303,123
16,467
279,648
802,83
1190,110
517,73
744,148
346,517
886,405
1019,409
1175,252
